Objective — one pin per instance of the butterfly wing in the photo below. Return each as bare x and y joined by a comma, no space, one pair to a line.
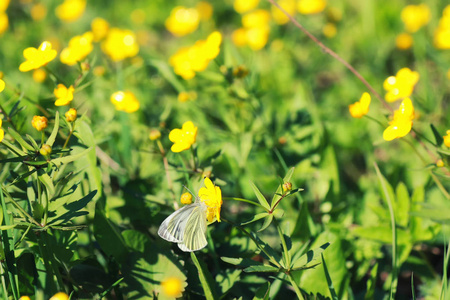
195,231
173,227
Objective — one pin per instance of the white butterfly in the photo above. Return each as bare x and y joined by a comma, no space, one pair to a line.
186,227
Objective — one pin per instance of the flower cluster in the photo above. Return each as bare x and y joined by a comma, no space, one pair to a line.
188,60
79,47
212,196
402,121
361,107
401,85
99,28
120,44
415,16
125,101
70,10
183,138
442,32
36,58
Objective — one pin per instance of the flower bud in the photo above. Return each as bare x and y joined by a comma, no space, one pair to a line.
39,122
71,115
287,186
440,163
45,150
154,134
186,198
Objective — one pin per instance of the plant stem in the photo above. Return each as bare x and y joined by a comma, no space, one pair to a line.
296,288
166,167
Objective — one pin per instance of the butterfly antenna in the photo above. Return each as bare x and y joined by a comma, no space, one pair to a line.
196,197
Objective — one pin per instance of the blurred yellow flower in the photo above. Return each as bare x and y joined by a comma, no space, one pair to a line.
120,44
243,6
446,139
79,47
329,30
403,41
172,287
99,71
212,196
71,115
4,5
257,18
36,58
188,60
257,37
39,122
60,296
182,21
186,198
309,7
138,16
255,31
205,10
401,85
442,32
361,107
186,96
125,101
401,123
2,85
183,138
2,132
415,16
39,75
4,22
38,11
99,28
155,134
70,10
24,298
289,6
239,37
63,94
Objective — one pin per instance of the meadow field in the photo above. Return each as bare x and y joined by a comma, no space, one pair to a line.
236,149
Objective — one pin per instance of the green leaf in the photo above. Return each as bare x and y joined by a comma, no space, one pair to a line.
47,181
205,278
52,137
263,292
256,218
240,262
329,281
66,213
371,283
267,222
438,137
226,281
70,158
261,268
403,205
310,256
262,200
20,140
279,191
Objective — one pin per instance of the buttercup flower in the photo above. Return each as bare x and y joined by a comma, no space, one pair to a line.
186,198
172,287
39,75
60,296
401,123
79,47
196,58
70,10
401,85
309,7
361,107
63,94
2,85
71,115
39,122
186,96
4,22
403,41
24,298
2,132
120,44
125,101
99,28
442,32
154,134
183,138
447,139
36,58
4,5
212,196
182,21
38,11
205,10
243,6
255,31
289,6
415,16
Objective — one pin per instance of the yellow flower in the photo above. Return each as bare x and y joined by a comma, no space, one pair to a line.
24,298
257,18
70,10
242,6
442,32
125,101
182,21
205,10
415,16
289,6
401,85
403,41
361,107
172,287
401,123
45,150
239,37
39,75
255,31
39,122
2,132
186,198
446,139
257,37
79,47
2,85
155,134
120,44
99,28
308,7
186,96
38,12
63,94
71,115
4,5
329,30
60,296
212,196
183,138
188,60
4,22
36,58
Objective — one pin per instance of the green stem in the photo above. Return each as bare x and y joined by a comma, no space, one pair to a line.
375,120
59,79
295,286
244,200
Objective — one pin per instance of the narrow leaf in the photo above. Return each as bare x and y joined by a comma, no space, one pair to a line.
20,140
52,137
256,218
205,278
263,292
437,136
329,281
266,223
262,200
261,268
70,158
308,257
